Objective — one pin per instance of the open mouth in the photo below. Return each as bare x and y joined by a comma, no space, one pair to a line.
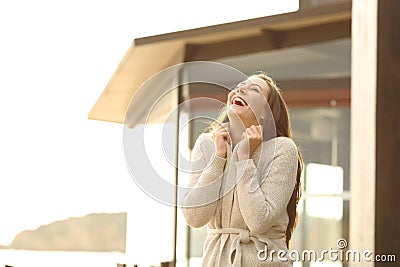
238,101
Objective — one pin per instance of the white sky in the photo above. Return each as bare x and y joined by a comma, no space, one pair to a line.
55,59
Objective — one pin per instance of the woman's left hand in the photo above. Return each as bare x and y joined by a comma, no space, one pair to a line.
251,138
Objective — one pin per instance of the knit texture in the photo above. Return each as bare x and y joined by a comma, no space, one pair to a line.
243,202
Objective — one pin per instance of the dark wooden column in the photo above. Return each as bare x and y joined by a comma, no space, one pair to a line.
375,129
387,210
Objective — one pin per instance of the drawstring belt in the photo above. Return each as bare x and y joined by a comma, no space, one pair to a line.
241,236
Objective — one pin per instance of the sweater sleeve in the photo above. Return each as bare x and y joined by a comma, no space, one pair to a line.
200,201
260,207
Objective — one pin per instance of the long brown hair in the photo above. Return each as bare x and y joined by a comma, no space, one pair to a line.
280,113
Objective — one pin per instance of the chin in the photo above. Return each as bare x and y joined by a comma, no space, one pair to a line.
235,114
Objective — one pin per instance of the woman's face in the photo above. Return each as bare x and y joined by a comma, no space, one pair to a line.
248,101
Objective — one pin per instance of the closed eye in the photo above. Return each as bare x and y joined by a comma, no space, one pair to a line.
254,87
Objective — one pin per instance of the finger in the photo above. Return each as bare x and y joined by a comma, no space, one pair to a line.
225,136
228,138
220,125
257,130
221,128
218,134
223,125
222,134
250,131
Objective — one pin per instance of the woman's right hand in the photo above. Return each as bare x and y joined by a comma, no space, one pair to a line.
219,136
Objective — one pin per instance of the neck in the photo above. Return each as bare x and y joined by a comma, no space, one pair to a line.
236,129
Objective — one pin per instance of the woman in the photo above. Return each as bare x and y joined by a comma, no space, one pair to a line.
245,183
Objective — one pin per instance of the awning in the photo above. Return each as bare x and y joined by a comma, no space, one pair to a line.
149,55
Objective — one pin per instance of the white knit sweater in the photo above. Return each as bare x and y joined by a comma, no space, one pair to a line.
243,203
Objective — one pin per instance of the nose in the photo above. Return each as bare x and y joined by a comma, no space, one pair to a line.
240,90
